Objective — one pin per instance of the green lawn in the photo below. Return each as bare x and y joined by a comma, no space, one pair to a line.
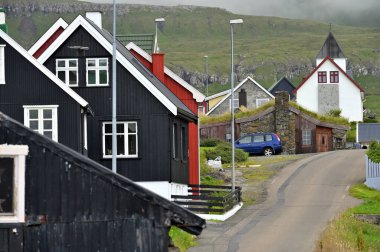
347,233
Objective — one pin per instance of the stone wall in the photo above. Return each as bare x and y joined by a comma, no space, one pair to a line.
285,123
328,98
281,121
263,124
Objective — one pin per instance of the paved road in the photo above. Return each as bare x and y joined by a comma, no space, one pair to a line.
301,200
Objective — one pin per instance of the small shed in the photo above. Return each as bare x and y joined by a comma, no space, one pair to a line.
367,133
283,85
55,199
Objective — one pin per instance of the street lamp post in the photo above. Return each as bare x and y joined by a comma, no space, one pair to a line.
232,23
157,20
206,67
114,144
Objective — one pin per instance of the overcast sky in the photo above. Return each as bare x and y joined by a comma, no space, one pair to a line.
283,8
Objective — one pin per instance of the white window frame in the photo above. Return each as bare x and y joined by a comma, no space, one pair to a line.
261,101
201,110
40,108
18,153
236,103
97,68
67,69
126,134
2,64
306,137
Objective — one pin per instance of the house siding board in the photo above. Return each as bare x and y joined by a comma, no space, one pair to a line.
134,103
32,87
187,98
74,207
302,124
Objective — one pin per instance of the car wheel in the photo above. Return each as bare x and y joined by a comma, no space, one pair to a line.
268,152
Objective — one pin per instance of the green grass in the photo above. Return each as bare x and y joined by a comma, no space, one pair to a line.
350,234
244,113
182,239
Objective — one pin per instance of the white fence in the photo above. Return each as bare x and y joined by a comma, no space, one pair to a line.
372,173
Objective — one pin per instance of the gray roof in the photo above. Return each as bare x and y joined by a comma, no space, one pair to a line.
182,108
368,132
330,48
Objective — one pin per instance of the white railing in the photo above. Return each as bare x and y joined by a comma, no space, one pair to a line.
372,173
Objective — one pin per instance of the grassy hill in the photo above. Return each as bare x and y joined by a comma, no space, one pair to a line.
266,48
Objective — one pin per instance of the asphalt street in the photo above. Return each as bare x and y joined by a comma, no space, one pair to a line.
301,200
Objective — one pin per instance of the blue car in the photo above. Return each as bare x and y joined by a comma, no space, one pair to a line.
260,143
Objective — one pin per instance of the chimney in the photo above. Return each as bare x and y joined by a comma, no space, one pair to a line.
96,17
3,25
158,66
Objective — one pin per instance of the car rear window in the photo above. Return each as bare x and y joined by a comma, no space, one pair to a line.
268,138
258,138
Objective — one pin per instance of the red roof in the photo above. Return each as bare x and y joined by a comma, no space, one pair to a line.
340,69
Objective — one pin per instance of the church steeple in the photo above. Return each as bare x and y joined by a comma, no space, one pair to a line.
332,49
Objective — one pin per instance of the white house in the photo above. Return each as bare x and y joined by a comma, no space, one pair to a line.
329,87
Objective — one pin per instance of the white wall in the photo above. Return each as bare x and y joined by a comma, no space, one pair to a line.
165,189
349,94
341,62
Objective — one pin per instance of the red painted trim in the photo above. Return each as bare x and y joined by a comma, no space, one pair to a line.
48,42
340,69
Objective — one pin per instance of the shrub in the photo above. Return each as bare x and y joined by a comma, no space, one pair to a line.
225,151
210,142
374,152
334,112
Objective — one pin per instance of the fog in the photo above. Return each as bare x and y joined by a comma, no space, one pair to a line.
321,9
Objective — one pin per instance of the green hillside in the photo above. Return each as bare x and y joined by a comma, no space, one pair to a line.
265,47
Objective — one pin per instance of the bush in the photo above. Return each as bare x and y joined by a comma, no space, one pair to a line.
224,150
374,152
210,142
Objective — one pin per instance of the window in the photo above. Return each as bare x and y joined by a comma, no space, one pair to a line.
306,137
334,77
322,77
97,72
268,138
12,183
42,119
258,138
2,64
67,71
245,140
236,103
175,140
201,110
262,101
126,139
183,143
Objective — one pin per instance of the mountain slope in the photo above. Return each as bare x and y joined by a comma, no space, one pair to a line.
266,48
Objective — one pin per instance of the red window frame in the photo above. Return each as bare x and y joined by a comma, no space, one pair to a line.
322,77
334,77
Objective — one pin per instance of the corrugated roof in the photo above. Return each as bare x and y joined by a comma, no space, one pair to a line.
368,132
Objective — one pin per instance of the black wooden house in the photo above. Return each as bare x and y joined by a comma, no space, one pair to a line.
31,94
152,121
54,199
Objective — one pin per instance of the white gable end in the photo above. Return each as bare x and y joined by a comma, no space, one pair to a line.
349,95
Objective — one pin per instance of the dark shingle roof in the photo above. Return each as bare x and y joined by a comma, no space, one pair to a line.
282,85
330,48
368,132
